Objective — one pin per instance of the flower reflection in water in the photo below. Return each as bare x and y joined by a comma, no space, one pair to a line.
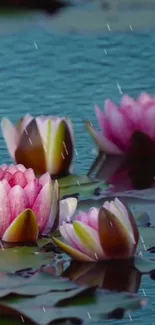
135,170
113,275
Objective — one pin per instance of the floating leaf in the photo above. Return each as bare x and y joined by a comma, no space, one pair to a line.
81,186
65,306
14,259
38,284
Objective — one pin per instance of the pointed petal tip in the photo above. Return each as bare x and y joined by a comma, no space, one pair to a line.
23,229
72,252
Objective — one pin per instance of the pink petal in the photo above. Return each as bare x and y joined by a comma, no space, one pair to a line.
83,217
6,185
5,213
29,175
120,126
147,121
71,237
18,179
1,173
93,218
90,239
45,178
7,176
42,206
18,201
32,190
102,142
127,101
11,169
144,99
10,135
21,168
4,167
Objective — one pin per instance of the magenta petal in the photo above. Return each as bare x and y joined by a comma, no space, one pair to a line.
5,213
18,201
29,175
42,206
12,169
147,121
127,101
32,190
18,179
7,176
121,128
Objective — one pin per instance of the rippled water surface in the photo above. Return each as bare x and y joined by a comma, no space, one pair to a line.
46,73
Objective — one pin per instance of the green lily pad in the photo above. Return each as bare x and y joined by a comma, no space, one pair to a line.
15,259
38,284
80,185
65,306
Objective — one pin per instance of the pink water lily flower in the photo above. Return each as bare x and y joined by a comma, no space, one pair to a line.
108,233
44,143
119,124
30,206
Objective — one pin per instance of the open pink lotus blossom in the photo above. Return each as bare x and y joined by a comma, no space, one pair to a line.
119,124
44,143
108,233
30,206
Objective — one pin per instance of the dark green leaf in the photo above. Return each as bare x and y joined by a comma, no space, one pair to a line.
80,185
38,284
14,259
43,309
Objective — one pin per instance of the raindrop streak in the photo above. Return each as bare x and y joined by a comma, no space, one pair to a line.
22,318
88,315
131,27
109,28
36,46
130,317
76,152
105,51
144,292
119,88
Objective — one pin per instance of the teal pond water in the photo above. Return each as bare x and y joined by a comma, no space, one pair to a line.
46,73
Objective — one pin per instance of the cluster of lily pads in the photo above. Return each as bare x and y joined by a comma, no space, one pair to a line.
40,200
